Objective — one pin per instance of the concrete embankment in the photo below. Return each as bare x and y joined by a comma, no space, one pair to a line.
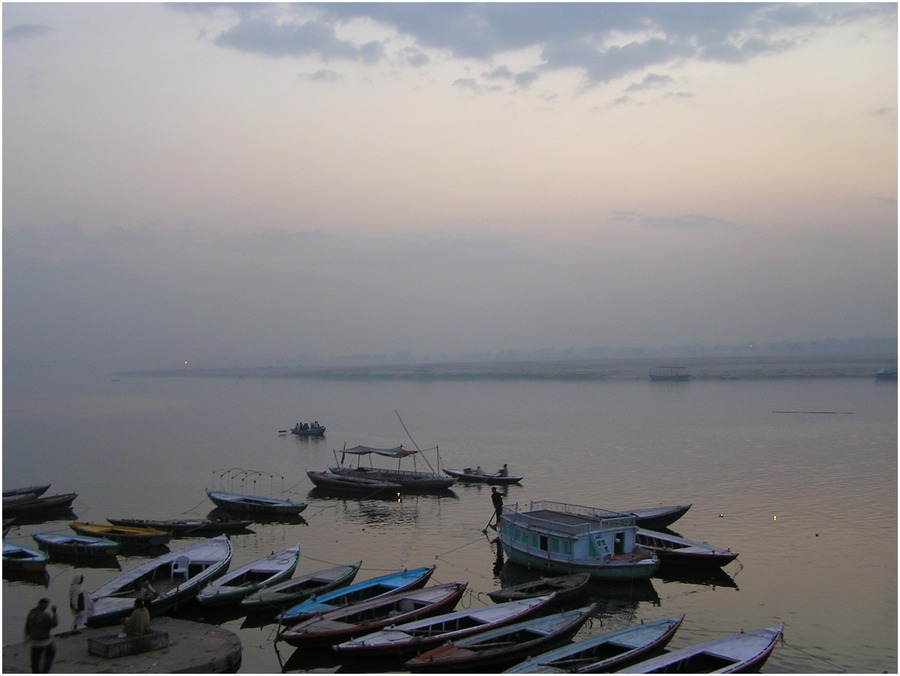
193,647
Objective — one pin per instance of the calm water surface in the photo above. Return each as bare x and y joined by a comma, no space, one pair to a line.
798,475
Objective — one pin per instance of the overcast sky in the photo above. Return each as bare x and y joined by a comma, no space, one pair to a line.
254,183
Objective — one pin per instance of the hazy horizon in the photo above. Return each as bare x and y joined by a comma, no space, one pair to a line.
243,183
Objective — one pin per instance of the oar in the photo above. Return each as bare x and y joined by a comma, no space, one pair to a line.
283,431
489,522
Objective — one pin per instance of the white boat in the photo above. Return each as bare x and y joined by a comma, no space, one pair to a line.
236,584
421,635
177,577
563,538
605,652
488,651
734,654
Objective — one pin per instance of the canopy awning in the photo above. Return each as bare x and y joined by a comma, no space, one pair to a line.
398,452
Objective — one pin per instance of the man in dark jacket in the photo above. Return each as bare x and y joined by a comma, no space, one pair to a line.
38,624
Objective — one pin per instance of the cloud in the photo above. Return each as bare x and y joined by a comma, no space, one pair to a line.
268,38
650,82
679,222
25,31
603,41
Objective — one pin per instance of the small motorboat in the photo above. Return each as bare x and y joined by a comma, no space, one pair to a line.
74,544
675,550
176,577
605,652
735,654
127,536
342,624
421,635
276,598
17,558
566,587
233,586
256,504
382,585
489,651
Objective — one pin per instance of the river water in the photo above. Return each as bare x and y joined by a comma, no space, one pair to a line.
797,474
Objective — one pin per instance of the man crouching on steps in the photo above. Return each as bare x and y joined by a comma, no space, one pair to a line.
138,623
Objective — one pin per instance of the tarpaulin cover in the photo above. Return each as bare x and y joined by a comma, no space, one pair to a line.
398,452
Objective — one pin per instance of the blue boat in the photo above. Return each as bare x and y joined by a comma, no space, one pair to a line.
17,558
240,502
73,544
361,591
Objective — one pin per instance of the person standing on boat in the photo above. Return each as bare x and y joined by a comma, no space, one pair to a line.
80,603
497,499
40,620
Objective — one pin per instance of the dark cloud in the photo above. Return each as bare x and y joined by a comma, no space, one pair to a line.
261,36
603,40
25,31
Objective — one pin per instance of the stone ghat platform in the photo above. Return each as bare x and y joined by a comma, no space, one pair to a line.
193,647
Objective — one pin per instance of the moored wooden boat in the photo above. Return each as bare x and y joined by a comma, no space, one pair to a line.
565,538
188,527
475,476
491,650
357,619
409,480
234,585
674,550
37,505
421,635
74,544
351,484
735,654
276,598
18,558
127,536
382,585
566,587
657,518
605,652
35,491
255,504
176,576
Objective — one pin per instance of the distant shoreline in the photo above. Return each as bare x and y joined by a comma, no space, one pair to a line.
700,368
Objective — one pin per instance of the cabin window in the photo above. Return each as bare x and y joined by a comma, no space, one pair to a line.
619,546
567,547
544,543
554,546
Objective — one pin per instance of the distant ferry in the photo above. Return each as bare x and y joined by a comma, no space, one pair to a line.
886,374
676,374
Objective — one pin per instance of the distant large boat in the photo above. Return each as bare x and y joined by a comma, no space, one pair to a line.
673,374
886,374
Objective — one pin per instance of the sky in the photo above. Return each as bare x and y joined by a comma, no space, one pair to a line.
234,184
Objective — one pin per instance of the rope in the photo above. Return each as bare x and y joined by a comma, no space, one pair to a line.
831,664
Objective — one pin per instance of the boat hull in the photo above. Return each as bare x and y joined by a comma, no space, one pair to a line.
187,527
409,481
115,599
17,558
286,594
566,587
253,504
76,545
473,477
606,652
231,587
126,536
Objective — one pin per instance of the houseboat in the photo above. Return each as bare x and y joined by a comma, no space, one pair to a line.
565,538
